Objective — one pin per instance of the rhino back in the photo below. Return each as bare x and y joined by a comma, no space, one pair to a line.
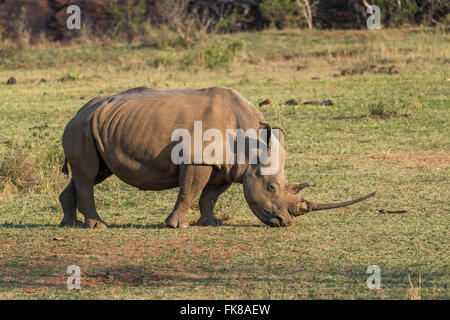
133,129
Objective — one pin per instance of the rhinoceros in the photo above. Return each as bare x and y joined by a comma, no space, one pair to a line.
129,134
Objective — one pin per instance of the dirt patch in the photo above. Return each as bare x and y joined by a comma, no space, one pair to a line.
280,58
121,263
372,69
131,276
319,54
427,159
334,54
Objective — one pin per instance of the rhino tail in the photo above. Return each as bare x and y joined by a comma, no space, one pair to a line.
65,168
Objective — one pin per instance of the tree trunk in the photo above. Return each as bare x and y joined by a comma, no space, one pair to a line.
306,12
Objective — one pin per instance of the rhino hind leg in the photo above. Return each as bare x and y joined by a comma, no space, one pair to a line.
192,181
85,202
207,202
87,169
68,200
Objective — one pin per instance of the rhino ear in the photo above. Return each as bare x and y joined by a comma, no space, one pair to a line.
268,128
296,188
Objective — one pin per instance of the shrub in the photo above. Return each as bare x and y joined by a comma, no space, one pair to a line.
281,13
385,110
160,61
17,170
212,55
67,77
128,18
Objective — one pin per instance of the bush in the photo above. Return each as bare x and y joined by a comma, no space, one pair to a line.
212,55
17,171
33,166
67,77
281,13
396,12
385,110
128,18
160,61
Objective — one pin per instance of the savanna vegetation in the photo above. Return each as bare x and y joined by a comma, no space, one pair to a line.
385,130
192,19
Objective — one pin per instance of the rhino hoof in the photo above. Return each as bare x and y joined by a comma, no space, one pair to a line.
183,225
209,222
174,222
94,224
178,225
76,223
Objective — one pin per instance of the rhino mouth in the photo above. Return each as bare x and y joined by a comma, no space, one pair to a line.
277,220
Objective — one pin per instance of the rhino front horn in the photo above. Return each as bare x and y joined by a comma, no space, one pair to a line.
313,206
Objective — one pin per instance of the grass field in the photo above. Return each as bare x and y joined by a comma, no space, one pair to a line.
387,131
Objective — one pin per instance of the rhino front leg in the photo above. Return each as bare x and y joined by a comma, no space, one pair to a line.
207,202
192,181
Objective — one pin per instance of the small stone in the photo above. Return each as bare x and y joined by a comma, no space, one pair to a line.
291,102
11,80
265,102
327,102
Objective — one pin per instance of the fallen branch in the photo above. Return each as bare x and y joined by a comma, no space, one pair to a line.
392,211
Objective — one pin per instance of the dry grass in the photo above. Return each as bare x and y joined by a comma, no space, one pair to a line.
17,171
414,290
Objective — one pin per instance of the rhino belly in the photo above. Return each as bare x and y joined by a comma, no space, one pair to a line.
152,173
137,149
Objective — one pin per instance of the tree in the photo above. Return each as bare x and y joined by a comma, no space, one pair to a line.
305,5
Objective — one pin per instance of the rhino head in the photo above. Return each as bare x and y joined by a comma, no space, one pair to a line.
270,196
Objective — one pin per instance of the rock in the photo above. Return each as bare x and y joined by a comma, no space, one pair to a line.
291,102
318,103
327,103
11,80
265,102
